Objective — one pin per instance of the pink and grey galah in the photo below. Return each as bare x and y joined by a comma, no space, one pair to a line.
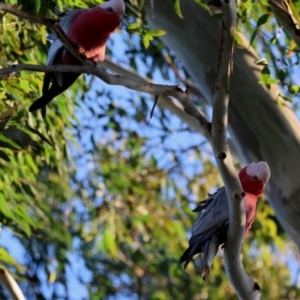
209,229
89,29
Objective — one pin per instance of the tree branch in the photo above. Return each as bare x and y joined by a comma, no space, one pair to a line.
164,102
285,17
192,87
11,285
137,85
242,283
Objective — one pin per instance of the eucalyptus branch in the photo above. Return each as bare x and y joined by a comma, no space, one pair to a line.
244,285
97,71
285,17
137,85
11,285
192,87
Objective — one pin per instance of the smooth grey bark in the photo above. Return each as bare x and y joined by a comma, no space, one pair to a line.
260,128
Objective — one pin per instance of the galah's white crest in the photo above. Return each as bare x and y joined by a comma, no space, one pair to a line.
89,29
209,229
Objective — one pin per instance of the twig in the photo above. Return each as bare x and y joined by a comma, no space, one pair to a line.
11,285
192,87
153,107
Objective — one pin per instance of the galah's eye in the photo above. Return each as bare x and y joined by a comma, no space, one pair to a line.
255,177
110,9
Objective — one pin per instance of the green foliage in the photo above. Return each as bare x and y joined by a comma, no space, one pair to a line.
147,34
266,77
36,6
277,48
176,4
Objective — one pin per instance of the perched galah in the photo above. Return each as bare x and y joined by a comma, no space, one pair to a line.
209,230
89,29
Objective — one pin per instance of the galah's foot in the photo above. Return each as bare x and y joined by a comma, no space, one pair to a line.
81,55
95,64
95,61
79,51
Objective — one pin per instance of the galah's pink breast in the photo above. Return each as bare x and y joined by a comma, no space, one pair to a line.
91,30
250,206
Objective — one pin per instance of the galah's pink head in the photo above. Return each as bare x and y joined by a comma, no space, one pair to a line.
114,7
254,178
109,16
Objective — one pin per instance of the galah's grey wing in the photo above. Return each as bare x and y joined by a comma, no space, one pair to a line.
209,230
60,81
65,23
215,214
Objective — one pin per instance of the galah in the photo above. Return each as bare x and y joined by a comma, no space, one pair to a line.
209,229
89,29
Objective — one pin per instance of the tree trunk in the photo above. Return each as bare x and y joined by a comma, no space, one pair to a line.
261,128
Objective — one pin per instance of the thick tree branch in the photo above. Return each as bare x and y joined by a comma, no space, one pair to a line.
244,286
285,17
11,285
100,73
137,85
242,283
